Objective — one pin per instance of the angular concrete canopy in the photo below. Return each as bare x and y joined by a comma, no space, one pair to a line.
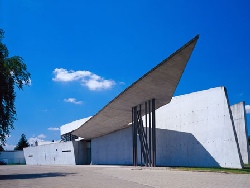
159,83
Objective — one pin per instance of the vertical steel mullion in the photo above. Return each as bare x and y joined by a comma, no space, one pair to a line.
133,136
149,112
148,139
135,133
154,132
146,122
140,132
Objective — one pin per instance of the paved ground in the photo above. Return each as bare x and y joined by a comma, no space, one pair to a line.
113,176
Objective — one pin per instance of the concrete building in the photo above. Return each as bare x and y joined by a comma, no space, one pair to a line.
197,129
71,150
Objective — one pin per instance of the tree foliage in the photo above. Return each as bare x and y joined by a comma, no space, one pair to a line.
1,148
13,72
23,143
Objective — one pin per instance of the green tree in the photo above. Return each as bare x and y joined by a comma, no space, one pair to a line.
23,143
1,148
13,72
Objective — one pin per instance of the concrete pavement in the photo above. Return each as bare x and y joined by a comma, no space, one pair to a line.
114,176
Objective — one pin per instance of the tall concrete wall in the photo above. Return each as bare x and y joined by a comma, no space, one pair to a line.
202,131
72,153
12,157
193,130
239,117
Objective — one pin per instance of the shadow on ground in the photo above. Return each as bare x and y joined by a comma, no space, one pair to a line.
33,176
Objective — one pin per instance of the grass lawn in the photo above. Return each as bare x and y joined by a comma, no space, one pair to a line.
245,170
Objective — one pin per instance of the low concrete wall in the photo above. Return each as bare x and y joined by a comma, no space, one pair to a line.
72,153
193,130
239,117
12,157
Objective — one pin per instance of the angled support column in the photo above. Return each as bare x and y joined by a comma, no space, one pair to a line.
146,133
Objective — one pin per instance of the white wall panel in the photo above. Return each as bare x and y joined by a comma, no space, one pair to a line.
239,117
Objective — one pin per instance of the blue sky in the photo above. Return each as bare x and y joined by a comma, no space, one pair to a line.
81,54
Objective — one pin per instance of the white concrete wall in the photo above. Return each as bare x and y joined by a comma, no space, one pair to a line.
115,148
239,117
12,157
201,131
57,153
193,130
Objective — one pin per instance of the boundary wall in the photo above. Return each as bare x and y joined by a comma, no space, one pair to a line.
70,153
12,157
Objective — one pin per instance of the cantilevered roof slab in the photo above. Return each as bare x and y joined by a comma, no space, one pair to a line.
159,83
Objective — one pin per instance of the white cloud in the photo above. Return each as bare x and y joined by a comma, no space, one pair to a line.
39,141
54,129
72,100
41,136
29,83
99,84
86,78
247,107
63,75
32,140
8,147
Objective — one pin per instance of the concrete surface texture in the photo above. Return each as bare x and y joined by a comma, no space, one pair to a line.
12,157
239,119
199,131
109,176
114,149
72,153
193,130
159,83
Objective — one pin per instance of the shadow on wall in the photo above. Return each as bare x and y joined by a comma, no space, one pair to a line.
181,149
33,176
